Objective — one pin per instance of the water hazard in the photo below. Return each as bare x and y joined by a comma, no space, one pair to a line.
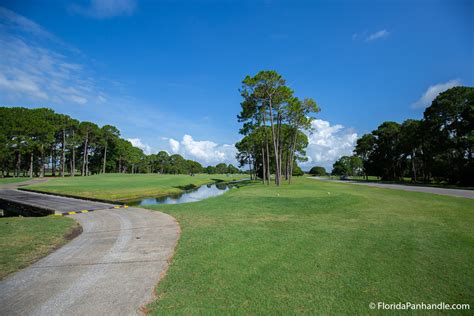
201,193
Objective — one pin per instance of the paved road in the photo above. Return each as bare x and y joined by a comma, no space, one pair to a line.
111,268
452,192
52,203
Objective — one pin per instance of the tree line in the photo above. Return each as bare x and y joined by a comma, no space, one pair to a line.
34,140
274,122
438,147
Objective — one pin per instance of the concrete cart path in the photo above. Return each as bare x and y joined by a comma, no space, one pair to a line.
111,268
451,192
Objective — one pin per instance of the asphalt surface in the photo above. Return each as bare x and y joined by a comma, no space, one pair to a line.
52,203
112,268
451,192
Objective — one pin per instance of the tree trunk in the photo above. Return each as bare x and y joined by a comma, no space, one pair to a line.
413,166
63,154
264,174
250,168
73,164
267,168
87,161
255,169
73,161
105,157
275,147
84,155
292,155
42,161
53,161
18,164
31,165
280,147
268,163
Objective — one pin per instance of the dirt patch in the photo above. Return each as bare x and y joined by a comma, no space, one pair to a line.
74,232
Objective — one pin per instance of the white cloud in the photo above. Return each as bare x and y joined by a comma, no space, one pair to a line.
136,142
328,143
377,35
205,151
29,72
432,92
174,144
102,9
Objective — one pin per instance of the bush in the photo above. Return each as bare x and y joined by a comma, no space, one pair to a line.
317,171
297,171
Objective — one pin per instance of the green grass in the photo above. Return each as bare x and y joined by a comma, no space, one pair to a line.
13,180
407,181
127,186
23,240
317,248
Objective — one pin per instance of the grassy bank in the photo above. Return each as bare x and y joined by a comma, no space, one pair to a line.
127,186
318,248
23,240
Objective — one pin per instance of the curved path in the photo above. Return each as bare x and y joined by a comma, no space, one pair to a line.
442,191
111,268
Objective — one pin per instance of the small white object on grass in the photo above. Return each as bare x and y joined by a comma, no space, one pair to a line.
329,192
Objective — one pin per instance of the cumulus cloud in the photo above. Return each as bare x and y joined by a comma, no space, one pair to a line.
205,151
31,72
174,144
432,92
102,9
136,142
377,35
328,143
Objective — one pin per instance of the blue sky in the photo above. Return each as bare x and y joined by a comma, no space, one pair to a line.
167,73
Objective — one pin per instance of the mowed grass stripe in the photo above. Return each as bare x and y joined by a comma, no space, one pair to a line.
127,186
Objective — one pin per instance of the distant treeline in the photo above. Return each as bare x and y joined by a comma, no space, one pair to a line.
438,147
34,140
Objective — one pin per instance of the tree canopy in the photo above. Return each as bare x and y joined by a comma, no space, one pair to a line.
438,147
33,141
273,124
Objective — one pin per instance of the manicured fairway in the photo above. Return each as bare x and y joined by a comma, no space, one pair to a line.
318,248
13,180
24,240
127,186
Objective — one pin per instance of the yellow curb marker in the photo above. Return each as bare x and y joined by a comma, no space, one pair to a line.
88,211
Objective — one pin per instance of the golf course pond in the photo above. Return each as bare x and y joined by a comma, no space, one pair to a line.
194,195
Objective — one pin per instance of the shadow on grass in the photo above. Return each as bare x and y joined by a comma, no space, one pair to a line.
186,187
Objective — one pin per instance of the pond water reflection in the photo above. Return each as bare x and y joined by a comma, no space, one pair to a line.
201,193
